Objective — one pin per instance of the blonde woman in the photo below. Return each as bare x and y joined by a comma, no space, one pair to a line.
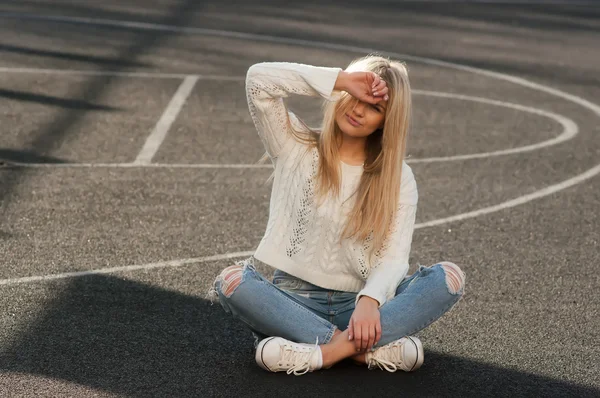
341,220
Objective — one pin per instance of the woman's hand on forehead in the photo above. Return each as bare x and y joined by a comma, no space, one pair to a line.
365,86
380,88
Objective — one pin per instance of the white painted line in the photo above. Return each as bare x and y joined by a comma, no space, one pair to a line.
128,268
513,2
141,75
156,138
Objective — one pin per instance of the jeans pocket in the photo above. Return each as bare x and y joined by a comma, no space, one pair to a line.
285,281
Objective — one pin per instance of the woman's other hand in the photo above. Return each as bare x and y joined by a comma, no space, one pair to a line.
365,86
365,325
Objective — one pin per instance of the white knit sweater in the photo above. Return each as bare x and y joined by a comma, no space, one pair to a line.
300,238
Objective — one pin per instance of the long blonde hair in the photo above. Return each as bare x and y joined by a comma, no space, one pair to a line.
372,217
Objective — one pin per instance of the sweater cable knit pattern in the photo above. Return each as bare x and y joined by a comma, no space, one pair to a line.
301,238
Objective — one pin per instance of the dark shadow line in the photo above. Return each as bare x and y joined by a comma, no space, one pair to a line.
55,101
96,60
22,156
70,8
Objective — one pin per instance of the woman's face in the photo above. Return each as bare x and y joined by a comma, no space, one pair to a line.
363,120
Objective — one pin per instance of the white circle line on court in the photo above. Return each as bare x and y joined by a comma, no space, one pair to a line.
161,264
570,130
491,209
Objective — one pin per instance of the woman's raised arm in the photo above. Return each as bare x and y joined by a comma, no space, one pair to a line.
268,83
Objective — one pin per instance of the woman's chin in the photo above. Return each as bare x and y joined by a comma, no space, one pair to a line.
350,130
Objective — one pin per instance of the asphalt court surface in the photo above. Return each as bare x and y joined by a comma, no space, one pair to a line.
81,94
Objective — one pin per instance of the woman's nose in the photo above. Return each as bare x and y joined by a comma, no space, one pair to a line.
359,108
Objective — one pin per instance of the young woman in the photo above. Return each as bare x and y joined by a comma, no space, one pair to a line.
340,226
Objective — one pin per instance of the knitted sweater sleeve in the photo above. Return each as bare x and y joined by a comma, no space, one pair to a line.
393,266
268,83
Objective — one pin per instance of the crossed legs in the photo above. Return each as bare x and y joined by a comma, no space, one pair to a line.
339,347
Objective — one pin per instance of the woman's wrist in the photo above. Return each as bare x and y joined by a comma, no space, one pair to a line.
369,300
341,82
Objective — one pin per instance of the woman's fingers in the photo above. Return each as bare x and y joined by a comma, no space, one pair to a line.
371,336
357,337
364,343
377,332
382,84
376,80
381,90
364,336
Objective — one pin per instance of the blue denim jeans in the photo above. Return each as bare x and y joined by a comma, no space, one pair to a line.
297,310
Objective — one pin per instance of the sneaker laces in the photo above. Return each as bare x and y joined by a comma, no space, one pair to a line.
301,359
388,357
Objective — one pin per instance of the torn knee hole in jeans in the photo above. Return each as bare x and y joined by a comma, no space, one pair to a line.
455,277
229,279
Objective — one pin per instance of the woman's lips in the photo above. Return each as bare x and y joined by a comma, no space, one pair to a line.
352,121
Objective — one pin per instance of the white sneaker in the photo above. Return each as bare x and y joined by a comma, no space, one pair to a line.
405,354
277,354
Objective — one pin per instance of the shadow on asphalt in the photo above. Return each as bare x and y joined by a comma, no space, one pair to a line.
131,338
24,156
70,56
55,101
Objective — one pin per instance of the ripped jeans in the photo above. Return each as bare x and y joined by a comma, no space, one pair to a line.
297,310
